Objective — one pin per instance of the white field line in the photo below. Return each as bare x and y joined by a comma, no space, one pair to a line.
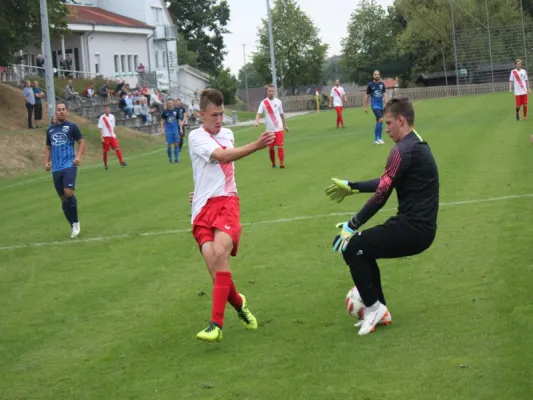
48,176
272,221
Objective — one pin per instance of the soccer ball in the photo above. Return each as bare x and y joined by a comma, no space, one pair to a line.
354,304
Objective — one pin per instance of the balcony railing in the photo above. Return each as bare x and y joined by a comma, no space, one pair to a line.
166,32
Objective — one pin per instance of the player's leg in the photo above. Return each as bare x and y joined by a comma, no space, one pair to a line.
390,240
272,154
115,146
176,149
182,136
524,106
379,126
338,111
105,150
518,102
58,185
341,118
169,141
281,152
69,186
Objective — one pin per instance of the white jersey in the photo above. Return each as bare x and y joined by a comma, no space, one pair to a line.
337,99
519,78
273,122
108,129
211,179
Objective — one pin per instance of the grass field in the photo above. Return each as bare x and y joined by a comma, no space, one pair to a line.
114,314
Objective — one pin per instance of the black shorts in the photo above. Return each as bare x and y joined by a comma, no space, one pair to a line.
65,179
38,112
394,239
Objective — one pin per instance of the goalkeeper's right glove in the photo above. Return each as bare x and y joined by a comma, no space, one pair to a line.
339,190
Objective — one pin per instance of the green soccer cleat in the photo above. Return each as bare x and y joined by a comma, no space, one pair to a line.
212,333
246,317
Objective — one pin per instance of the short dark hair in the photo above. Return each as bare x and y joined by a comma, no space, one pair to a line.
211,96
62,102
401,106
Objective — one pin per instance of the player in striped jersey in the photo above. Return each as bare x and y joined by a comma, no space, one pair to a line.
376,92
62,159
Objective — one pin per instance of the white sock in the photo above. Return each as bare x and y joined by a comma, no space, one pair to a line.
374,307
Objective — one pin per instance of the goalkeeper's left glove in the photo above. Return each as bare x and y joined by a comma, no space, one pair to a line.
339,190
343,238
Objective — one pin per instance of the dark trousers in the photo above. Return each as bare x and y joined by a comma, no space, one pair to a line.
393,239
29,107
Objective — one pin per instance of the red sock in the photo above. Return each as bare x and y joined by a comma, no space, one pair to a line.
105,158
272,156
119,156
341,120
281,155
234,297
221,292
525,111
517,110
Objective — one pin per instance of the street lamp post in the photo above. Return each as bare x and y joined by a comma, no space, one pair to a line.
246,78
272,56
48,66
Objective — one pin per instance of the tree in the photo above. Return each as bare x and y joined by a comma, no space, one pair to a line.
21,25
226,83
186,56
202,23
299,52
254,78
371,40
333,69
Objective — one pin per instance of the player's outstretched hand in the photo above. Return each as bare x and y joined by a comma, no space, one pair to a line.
48,166
286,128
191,196
343,238
266,139
338,190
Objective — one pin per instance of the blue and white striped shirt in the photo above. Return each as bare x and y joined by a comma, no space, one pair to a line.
60,138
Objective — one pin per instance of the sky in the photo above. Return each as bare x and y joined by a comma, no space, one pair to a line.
330,16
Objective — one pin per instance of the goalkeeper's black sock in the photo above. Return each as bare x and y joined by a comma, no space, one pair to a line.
362,275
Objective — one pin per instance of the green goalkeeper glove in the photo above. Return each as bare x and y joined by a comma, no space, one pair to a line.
339,190
343,238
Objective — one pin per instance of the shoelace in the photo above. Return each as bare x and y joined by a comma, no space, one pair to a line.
244,314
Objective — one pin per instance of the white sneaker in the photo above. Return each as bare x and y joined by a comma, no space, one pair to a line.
381,141
376,142
386,320
75,231
371,319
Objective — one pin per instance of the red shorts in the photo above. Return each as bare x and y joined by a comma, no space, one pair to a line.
521,100
279,139
109,142
338,109
220,213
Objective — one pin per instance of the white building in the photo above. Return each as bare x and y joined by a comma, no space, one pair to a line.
111,38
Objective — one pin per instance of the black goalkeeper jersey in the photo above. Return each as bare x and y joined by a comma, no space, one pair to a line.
412,171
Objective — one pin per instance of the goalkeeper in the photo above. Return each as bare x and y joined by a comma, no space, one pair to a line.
412,171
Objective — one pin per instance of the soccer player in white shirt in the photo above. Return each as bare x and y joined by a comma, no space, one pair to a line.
521,88
275,122
338,98
106,123
215,218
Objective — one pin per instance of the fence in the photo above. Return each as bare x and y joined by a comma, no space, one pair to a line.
355,99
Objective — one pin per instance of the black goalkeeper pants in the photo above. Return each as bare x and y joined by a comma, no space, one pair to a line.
393,239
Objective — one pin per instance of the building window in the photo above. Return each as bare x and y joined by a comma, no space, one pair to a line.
135,61
130,60
97,64
123,59
157,14
117,64
164,60
157,60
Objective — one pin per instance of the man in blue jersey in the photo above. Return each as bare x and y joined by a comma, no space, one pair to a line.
170,127
62,159
376,92
182,118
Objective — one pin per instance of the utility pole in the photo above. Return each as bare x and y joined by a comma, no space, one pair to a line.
49,68
272,56
246,78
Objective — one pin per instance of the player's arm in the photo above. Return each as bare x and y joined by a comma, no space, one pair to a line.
162,122
258,115
225,156
47,163
330,98
384,95
528,88
344,97
81,145
395,163
339,189
366,97
511,80
285,127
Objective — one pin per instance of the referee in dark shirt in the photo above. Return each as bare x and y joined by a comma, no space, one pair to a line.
412,171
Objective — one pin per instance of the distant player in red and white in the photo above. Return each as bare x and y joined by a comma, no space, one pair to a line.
215,218
521,88
275,122
338,98
106,123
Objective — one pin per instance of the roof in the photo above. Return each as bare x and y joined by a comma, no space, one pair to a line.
98,16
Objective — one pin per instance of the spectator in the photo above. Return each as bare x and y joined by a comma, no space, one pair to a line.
104,92
119,88
155,101
145,112
137,109
29,98
89,92
141,69
70,94
129,106
38,107
40,65
68,64
62,67
122,104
